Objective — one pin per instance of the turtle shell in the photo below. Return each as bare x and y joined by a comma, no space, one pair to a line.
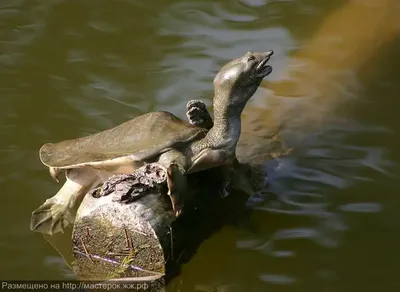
141,138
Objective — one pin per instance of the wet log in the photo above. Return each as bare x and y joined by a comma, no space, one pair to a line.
127,229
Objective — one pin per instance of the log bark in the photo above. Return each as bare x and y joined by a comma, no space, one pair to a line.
127,229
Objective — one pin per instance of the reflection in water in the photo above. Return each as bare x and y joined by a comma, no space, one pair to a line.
327,220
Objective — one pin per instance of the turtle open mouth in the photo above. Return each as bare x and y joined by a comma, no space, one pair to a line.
262,68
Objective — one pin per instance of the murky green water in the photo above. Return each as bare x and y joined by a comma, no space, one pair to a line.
330,218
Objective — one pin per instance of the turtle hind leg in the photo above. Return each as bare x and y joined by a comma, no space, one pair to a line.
51,217
175,163
59,211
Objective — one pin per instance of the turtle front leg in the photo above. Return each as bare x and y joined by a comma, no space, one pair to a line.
198,115
175,164
177,186
59,211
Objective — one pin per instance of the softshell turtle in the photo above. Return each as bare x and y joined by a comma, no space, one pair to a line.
178,146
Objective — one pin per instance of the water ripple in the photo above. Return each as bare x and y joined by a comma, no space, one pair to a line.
277,279
363,207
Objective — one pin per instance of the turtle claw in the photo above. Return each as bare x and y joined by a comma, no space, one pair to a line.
194,103
177,210
50,218
198,115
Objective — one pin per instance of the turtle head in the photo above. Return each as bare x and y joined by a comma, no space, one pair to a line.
240,78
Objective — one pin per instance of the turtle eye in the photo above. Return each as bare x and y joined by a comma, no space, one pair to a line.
250,58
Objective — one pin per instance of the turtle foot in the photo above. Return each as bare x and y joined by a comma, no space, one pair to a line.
50,218
198,115
195,103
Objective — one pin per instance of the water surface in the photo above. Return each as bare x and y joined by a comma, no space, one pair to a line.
329,219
